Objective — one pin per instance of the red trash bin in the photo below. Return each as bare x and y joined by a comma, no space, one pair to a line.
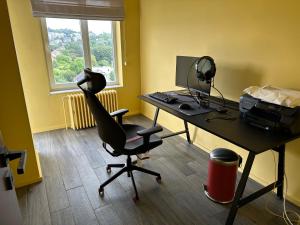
222,171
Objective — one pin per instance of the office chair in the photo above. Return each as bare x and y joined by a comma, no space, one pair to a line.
123,139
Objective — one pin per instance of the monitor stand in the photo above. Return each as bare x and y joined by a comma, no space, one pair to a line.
203,100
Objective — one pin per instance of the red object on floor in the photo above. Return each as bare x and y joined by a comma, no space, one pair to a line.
222,172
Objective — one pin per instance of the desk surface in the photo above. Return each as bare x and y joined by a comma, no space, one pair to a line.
235,131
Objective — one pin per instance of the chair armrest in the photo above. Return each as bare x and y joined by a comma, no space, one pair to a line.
149,131
146,133
119,114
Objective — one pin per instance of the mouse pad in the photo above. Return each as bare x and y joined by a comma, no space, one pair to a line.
195,109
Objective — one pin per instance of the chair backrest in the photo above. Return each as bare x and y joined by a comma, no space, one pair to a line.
109,130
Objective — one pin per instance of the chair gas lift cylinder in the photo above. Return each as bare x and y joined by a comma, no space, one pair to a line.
222,172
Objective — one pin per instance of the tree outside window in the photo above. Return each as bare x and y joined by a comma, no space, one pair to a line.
74,44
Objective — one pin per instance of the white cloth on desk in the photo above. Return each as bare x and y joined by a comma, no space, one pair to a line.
285,97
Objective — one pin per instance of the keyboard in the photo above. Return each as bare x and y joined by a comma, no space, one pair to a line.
163,97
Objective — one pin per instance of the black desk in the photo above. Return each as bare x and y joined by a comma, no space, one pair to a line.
239,133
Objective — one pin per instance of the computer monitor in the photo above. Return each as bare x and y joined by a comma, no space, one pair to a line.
186,75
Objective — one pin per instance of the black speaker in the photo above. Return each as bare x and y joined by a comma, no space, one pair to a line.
205,68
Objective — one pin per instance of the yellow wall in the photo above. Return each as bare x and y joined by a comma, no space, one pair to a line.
253,42
45,111
14,124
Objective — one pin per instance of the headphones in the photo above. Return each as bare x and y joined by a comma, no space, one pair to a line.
205,68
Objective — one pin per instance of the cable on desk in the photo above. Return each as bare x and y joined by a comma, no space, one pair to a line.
213,86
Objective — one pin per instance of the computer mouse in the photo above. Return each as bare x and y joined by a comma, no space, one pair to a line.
184,106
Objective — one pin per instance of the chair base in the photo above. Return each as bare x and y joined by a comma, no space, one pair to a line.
129,167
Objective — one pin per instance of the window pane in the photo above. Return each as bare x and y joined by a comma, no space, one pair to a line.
102,48
65,43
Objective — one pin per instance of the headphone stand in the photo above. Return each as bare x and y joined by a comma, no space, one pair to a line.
203,100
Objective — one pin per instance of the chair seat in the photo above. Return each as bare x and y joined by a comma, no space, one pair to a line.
134,143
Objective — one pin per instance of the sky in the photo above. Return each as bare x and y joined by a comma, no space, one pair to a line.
96,27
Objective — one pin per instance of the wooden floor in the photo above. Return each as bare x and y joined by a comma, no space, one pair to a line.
73,164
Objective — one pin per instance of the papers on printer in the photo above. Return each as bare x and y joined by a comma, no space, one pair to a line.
279,96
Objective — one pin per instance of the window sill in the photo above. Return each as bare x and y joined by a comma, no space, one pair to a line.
57,92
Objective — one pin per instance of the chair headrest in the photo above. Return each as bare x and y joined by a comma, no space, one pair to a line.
95,81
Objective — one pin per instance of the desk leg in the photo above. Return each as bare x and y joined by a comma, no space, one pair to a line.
240,189
280,172
187,132
155,117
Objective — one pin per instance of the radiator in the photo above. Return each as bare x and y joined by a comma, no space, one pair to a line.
80,115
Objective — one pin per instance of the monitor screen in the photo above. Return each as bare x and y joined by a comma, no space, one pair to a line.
185,68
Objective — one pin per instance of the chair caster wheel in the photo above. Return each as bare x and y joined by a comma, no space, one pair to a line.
158,179
135,199
108,169
101,192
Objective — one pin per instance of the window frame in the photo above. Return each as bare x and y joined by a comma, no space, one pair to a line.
86,54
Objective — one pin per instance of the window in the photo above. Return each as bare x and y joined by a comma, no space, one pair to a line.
72,44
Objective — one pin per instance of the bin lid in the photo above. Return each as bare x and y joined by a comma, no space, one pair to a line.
223,154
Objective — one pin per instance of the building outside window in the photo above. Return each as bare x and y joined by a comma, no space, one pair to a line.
72,45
